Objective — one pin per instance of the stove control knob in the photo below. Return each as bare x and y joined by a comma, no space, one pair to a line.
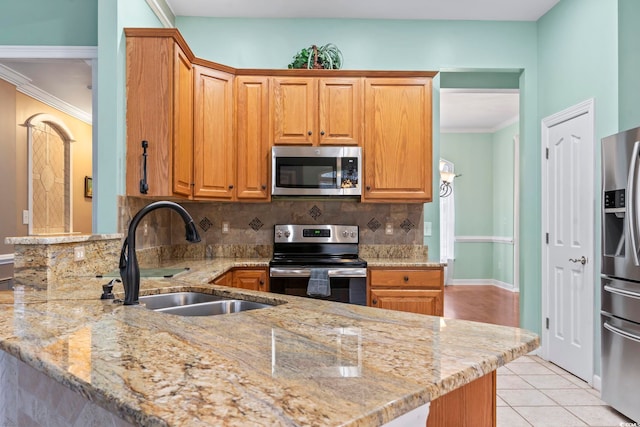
287,234
279,233
353,234
345,233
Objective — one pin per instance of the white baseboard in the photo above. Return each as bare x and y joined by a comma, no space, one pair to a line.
597,382
485,282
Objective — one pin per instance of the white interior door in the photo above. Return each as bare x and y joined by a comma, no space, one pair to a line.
568,207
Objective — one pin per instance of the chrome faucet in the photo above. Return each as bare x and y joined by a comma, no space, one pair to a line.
129,269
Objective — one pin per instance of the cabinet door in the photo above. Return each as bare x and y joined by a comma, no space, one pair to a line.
252,137
159,110
397,143
411,300
293,110
182,124
340,116
214,154
253,279
225,280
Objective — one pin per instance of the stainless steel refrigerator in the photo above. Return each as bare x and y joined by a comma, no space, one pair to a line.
620,291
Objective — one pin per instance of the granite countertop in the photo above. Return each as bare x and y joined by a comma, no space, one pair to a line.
301,362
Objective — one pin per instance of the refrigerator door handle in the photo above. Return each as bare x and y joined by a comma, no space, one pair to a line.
621,292
631,199
622,333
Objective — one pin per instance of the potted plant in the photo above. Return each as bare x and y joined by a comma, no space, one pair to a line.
318,57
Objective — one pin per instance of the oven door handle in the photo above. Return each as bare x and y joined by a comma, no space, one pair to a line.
306,272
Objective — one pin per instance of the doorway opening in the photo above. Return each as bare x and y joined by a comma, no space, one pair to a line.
479,132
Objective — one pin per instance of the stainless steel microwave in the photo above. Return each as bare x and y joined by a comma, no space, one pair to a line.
316,171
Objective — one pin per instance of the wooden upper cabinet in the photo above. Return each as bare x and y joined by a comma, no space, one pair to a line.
397,140
340,116
183,125
293,110
160,111
214,148
252,138
316,111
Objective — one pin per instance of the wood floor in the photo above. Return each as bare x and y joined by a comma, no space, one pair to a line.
488,304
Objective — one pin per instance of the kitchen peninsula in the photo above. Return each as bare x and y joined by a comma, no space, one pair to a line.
300,362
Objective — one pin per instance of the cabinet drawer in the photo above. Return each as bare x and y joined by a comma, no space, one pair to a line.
427,278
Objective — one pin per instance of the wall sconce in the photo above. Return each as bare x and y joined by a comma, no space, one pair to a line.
446,179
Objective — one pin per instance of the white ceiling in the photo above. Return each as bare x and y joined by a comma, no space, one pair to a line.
461,111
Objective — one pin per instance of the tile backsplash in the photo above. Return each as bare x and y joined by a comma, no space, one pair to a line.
252,223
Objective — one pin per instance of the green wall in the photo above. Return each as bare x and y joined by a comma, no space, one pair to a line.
109,152
629,57
49,23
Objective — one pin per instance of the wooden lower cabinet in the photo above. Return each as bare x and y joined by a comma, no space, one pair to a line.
416,290
255,279
473,405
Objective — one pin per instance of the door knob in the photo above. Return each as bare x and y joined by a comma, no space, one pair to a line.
581,260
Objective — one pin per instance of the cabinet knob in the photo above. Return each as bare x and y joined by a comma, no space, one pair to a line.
264,187
374,302
322,132
231,187
309,133
368,187
406,278
261,282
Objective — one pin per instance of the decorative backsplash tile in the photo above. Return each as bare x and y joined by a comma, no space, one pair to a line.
407,225
256,224
374,225
205,223
252,223
315,212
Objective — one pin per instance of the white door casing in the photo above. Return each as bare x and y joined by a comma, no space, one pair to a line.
568,232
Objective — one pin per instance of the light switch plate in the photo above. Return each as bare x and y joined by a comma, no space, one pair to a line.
25,217
427,229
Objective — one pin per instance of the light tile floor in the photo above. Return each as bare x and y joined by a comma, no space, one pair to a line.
534,392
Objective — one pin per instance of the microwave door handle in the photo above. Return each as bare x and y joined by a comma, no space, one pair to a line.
631,200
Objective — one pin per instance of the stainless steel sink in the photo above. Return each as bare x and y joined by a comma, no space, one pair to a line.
197,304
175,299
214,308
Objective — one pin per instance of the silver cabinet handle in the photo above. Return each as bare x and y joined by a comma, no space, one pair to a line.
582,260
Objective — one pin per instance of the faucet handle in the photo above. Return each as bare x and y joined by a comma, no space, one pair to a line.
107,289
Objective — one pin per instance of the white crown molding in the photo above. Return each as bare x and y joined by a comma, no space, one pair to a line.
494,129
49,52
23,85
159,8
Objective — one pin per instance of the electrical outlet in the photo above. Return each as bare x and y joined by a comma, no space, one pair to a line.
225,227
78,253
25,217
388,228
427,229
145,229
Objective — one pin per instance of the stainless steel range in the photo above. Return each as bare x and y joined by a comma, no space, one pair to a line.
318,261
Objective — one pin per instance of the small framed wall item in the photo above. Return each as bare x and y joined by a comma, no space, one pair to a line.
88,186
